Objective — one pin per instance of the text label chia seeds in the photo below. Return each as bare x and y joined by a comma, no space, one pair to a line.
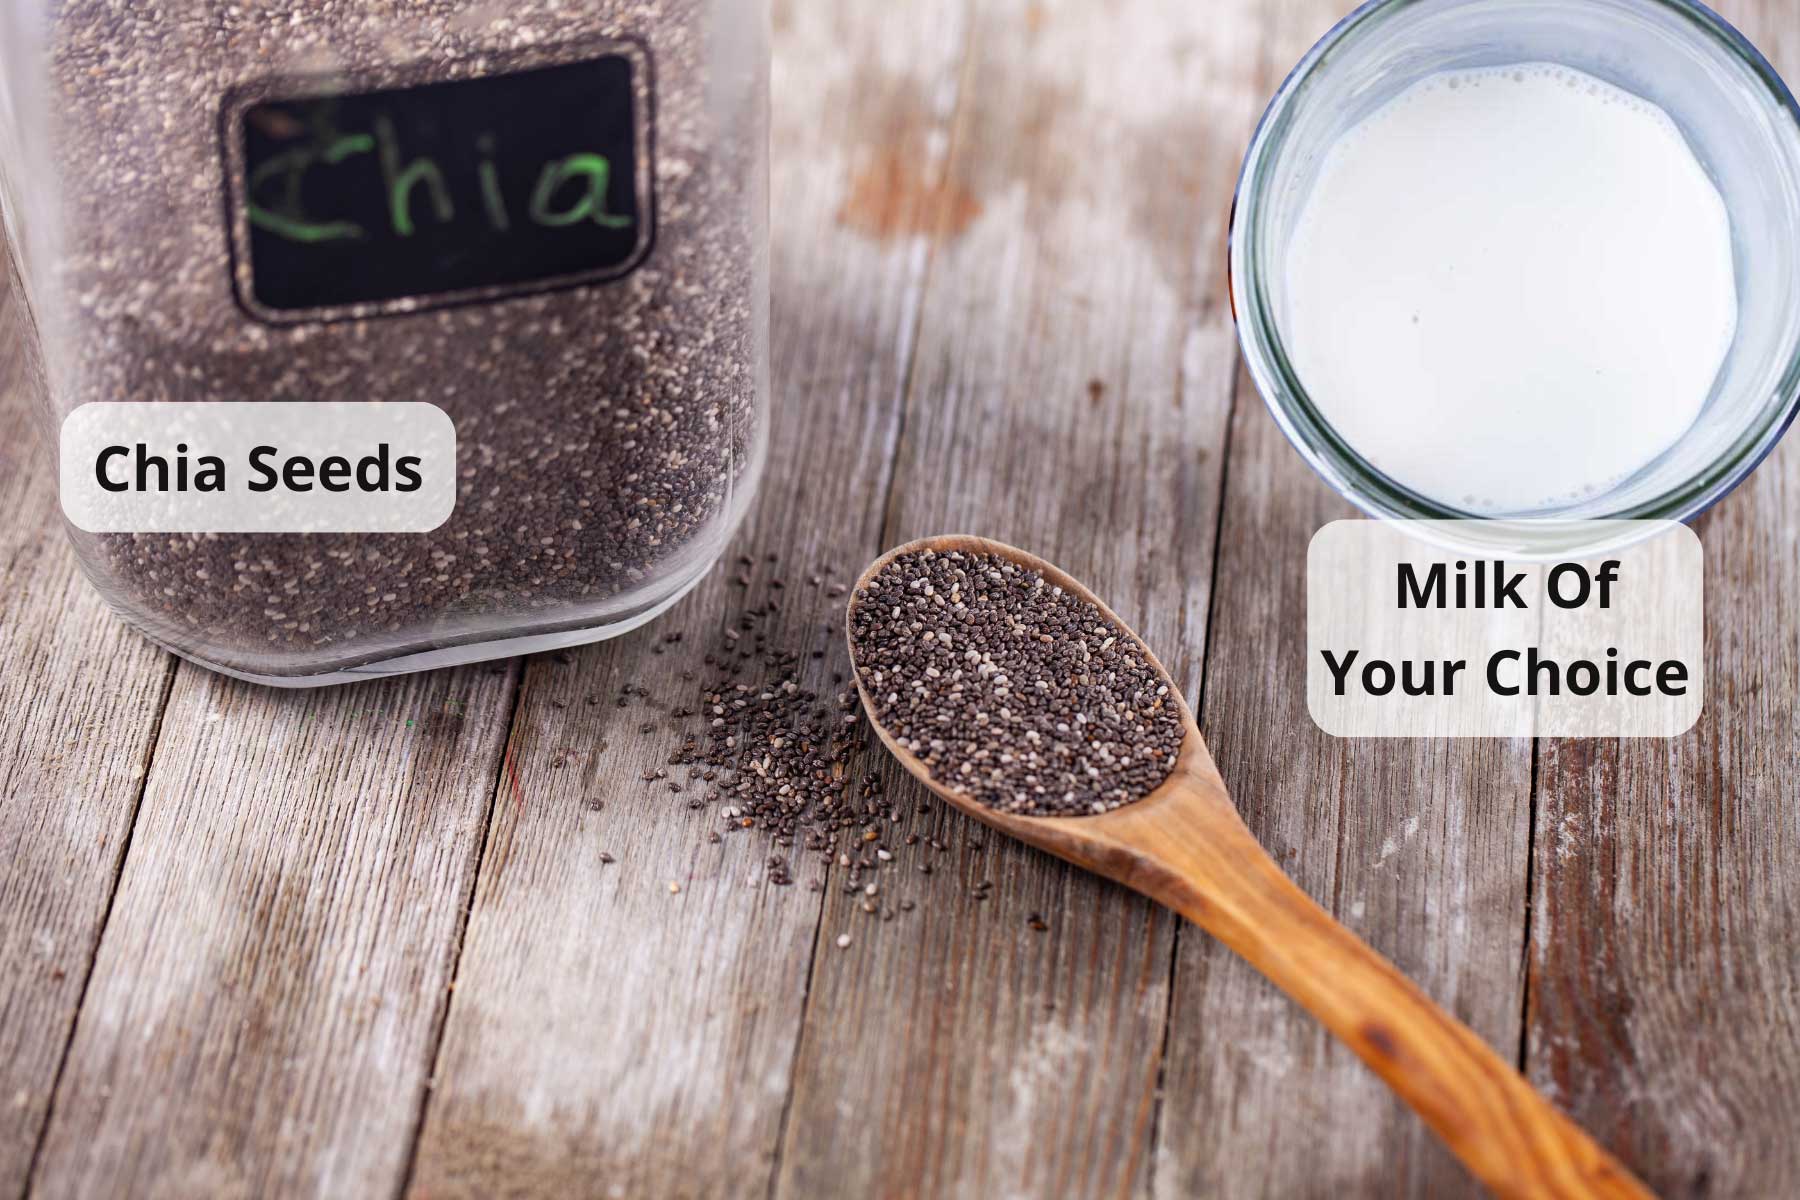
363,202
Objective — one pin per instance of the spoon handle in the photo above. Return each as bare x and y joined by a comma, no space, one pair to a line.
1509,1136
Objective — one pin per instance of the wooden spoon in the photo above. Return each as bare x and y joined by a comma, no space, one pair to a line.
1185,846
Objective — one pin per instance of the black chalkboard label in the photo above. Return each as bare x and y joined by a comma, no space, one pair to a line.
367,203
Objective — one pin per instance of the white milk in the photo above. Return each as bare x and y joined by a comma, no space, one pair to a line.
1511,288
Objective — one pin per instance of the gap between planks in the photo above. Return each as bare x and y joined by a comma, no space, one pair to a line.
914,318
945,418
1212,600
461,1096
1523,1051
112,895
518,667
40,532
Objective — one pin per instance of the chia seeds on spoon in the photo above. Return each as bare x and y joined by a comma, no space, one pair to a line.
1012,691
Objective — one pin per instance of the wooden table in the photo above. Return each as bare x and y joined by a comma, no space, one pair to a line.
363,941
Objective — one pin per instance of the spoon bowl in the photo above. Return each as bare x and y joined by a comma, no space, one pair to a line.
1185,846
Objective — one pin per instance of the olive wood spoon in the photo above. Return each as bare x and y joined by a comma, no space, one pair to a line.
1185,846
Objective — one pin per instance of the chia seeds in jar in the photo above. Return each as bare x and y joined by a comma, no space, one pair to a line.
594,325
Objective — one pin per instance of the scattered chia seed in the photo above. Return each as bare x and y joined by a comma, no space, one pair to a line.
768,748
1010,690
778,753
786,757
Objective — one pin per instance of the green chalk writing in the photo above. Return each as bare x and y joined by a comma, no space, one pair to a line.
288,217
491,196
418,188
401,180
592,205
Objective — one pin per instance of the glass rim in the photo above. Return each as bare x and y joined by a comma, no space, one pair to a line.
1346,471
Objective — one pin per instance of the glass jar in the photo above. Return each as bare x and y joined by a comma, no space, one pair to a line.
1736,114
547,219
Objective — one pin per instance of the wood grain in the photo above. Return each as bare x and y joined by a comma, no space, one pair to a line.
1072,379
610,1036
266,998
1665,934
79,700
1419,847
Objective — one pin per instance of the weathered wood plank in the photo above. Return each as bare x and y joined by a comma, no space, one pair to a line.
79,700
1419,847
267,997
1072,383
269,988
1665,933
609,1036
